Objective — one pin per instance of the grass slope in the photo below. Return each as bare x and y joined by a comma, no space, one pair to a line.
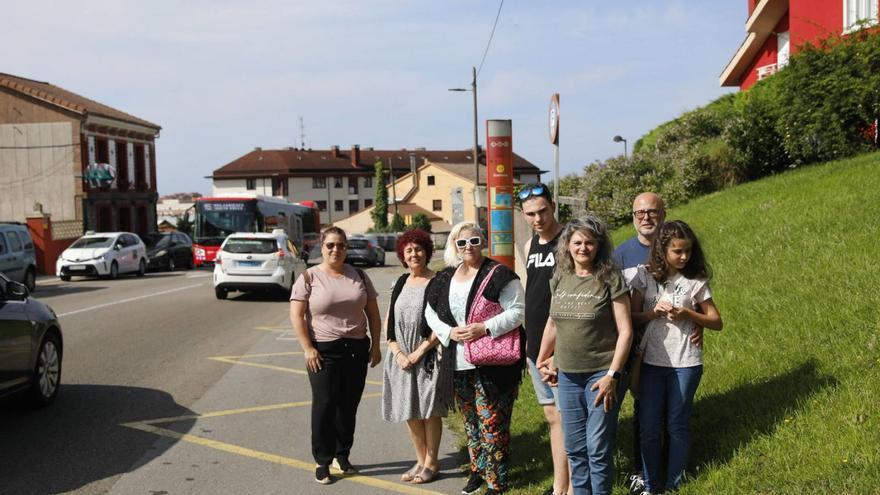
789,399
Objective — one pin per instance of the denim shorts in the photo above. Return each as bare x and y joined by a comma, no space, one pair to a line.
545,394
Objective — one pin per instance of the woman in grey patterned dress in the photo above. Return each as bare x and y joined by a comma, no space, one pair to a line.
418,382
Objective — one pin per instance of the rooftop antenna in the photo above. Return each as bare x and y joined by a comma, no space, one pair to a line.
302,133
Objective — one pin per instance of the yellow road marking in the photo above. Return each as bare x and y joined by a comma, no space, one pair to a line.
276,459
240,360
230,412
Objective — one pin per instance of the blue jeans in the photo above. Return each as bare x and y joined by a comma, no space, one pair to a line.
666,393
589,432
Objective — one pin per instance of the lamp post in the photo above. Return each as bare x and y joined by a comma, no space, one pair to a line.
618,139
473,89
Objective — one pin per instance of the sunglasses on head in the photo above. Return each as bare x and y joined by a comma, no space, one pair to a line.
534,190
473,241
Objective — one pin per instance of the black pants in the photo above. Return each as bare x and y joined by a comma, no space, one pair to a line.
336,394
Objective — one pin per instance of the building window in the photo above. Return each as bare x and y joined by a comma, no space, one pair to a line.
250,184
140,167
279,186
122,166
352,185
102,151
322,205
319,182
352,206
431,180
338,205
438,205
368,203
856,12
517,177
337,182
368,182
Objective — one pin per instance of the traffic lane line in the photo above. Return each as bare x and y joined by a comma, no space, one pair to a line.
240,360
127,300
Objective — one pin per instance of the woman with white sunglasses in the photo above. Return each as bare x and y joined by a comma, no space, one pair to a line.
484,394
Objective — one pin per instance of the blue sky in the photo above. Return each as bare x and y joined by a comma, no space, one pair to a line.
222,77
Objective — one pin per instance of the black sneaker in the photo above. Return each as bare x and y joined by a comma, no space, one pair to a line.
342,464
322,475
473,485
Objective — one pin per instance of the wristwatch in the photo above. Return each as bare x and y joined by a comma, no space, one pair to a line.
614,374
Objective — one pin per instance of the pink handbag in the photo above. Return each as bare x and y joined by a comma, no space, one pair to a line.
488,351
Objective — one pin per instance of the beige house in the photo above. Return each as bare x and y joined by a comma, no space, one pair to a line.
442,191
341,182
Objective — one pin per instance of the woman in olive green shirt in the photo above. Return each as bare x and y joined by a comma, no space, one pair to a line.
585,344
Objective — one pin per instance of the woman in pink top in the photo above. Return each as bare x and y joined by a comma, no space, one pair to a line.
330,307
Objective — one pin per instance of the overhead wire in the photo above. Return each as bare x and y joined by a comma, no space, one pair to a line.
491,35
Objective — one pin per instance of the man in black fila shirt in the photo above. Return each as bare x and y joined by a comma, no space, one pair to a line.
538,209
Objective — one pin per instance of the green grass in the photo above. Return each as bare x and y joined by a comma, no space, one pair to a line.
789,399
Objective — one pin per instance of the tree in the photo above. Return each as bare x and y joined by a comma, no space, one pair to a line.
397,224
380,204
420,221
184,224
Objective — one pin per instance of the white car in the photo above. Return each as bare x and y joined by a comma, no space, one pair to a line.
256,261
103,254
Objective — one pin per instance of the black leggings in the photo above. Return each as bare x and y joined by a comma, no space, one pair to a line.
336,394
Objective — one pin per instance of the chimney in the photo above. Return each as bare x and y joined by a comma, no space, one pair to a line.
257,148
334,151
412,168
355,155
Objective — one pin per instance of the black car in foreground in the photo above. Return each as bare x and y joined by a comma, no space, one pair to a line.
31,345
168,251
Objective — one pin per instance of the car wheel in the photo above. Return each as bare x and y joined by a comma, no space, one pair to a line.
171,266
30,279
47,372
142,268
65,278
114,271
220,293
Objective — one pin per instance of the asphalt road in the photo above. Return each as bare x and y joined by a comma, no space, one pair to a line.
167,390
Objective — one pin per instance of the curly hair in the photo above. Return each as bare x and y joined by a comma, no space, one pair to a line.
418,237
603,263
697,266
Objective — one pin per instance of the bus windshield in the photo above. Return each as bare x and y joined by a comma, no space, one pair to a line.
215,221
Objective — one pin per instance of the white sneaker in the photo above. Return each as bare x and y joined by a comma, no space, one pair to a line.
637,485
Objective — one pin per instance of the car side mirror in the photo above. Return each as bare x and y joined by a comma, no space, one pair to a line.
17,290
117,247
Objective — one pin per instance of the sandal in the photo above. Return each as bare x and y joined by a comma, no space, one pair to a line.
426,476
409,475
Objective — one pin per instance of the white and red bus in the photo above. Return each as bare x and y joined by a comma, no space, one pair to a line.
217,217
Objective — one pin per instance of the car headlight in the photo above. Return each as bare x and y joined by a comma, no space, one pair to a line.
200,252
160,254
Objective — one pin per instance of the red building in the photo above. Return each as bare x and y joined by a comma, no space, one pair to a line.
776,28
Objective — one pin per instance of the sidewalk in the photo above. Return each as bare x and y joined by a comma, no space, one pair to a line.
252,435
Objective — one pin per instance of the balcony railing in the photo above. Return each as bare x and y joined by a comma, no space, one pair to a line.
767,70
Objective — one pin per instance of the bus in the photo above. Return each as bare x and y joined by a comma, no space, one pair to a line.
217,217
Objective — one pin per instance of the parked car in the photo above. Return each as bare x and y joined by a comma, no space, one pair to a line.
31,345
365,251
103,254
256,262
168,250
18,259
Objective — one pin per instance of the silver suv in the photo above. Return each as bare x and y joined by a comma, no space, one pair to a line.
18,259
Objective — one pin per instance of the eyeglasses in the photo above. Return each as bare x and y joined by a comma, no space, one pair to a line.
473,241
534,190
640,214
338,245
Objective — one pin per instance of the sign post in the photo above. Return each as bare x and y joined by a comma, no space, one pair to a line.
499,182
554,139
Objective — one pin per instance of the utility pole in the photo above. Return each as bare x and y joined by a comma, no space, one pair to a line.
476,152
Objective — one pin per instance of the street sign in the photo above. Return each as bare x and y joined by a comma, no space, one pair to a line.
554,118
100,175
